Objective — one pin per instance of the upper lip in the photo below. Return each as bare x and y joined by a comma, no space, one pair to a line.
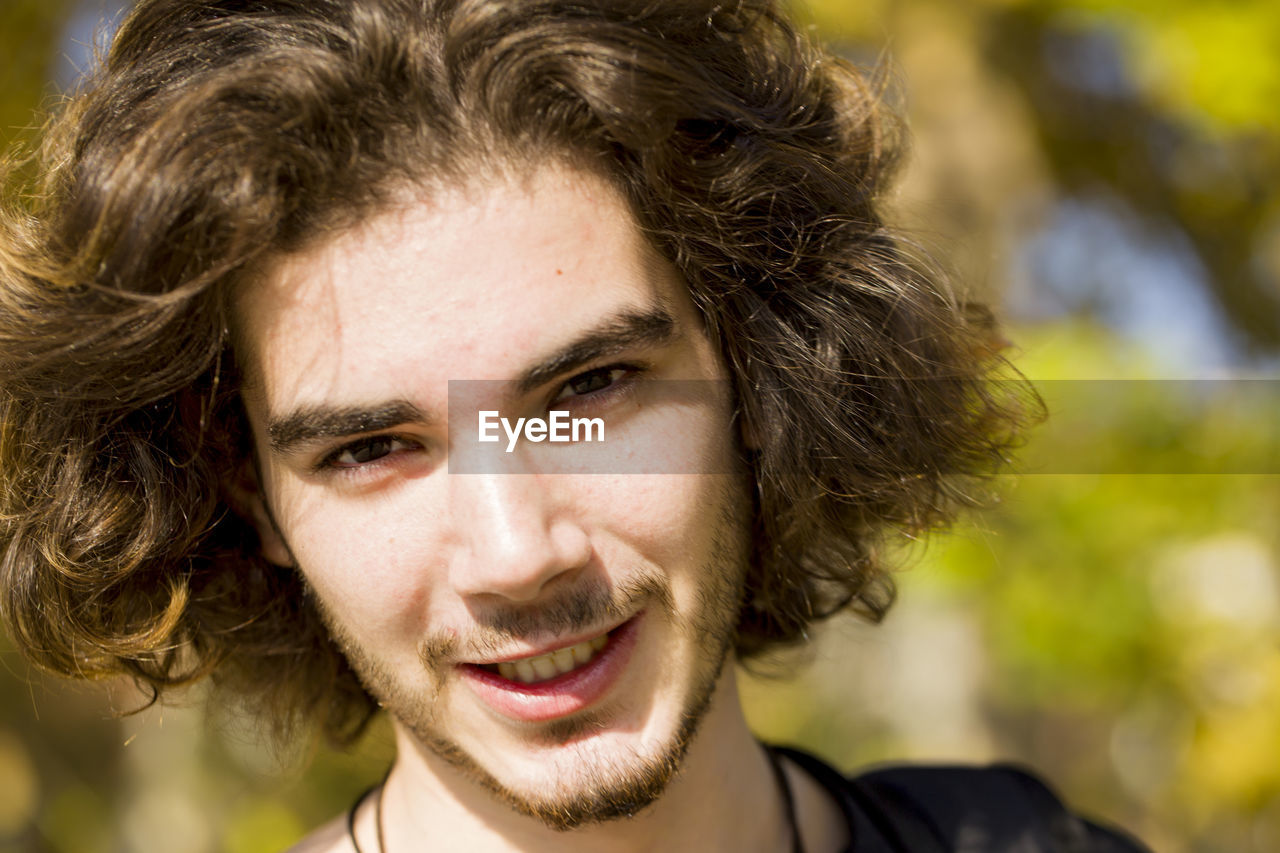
555,645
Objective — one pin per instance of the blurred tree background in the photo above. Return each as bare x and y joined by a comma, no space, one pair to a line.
1106,173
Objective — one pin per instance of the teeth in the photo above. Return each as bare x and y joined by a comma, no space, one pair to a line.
524,671
543,667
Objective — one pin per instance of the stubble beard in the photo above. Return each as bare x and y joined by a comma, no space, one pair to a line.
606,788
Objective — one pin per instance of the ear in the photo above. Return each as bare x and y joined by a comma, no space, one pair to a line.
243,492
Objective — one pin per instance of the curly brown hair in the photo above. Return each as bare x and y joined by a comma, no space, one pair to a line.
220,133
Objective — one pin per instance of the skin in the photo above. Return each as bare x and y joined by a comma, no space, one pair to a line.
423,573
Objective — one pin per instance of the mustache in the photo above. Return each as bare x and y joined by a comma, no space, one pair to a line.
579,609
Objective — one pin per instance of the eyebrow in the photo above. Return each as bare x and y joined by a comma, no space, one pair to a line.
313,423
653,326
650,327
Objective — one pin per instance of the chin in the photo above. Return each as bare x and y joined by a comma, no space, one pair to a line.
586,768
588,776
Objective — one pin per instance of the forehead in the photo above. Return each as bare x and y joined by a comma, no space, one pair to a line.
467,284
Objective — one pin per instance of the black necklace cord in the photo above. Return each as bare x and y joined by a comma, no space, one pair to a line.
779,775
372,790
788,801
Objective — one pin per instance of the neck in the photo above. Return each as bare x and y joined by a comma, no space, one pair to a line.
724,798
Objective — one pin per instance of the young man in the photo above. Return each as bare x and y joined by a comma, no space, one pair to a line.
288,258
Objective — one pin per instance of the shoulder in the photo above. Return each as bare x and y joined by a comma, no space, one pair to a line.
953,807
998,807
330,838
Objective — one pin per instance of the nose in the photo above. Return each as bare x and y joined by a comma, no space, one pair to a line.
515,536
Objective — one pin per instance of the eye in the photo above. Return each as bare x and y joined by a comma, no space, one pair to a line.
365,451
593,381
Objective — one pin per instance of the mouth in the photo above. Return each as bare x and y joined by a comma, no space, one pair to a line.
544,667
558,682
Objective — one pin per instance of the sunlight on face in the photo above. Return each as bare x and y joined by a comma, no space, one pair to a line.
549,638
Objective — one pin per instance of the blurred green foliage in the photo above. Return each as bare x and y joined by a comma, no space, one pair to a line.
1168,107
1124,633
1211,65
1121,633
29,35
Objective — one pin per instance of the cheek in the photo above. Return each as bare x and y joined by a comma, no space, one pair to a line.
668,520
679,517
370,560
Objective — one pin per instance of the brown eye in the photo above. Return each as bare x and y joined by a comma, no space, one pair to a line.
594,381
366,451
591,382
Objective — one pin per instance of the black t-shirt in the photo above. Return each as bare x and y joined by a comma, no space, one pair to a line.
997,809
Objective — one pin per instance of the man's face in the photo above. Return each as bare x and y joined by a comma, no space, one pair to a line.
553,635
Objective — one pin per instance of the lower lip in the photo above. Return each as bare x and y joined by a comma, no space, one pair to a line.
560,696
